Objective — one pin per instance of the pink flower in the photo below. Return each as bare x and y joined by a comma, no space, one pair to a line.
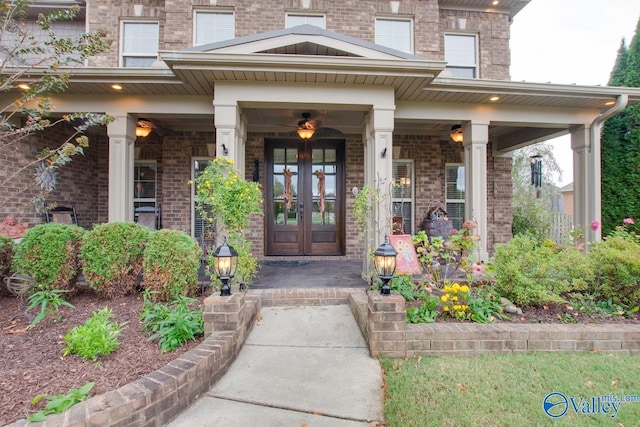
595,225
628,221
477,268
468,225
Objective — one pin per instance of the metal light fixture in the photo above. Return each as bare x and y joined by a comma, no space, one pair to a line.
225,262
305,127
385,263
143,128
456,134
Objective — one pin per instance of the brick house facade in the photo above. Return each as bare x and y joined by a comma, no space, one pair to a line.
234,95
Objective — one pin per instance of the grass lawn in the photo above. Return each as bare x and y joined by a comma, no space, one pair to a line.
508,390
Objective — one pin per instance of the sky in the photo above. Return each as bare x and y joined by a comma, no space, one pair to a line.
570,41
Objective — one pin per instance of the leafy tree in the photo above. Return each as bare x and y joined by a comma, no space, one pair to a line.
621,146
533,207
32,53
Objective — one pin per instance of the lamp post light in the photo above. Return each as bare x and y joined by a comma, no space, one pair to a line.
385,263
225,262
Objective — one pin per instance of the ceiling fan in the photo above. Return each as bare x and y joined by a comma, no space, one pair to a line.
306,128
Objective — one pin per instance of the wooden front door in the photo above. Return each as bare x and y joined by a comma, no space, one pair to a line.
305,197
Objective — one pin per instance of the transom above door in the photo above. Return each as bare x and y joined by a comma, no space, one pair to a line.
305,197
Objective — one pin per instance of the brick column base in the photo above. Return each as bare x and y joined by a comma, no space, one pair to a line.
223,313
386,324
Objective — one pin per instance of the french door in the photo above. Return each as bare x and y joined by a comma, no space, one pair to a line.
305,197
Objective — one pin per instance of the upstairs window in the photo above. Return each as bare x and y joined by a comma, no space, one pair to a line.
293,20
212,27
460,52
395,34
139,44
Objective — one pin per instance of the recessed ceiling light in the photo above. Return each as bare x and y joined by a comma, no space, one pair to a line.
496,2
494,98
116,87
24,86
610,103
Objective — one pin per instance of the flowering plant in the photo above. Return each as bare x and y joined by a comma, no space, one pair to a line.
225,199
455,300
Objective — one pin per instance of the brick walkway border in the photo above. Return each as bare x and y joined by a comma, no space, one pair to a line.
157,398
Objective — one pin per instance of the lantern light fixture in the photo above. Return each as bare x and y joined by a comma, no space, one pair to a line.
385,262
225,262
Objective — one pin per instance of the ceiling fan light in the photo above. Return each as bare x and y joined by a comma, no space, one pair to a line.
456,134
305,128
143,128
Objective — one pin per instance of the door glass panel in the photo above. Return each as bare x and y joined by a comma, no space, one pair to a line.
285,186
330,155
330,185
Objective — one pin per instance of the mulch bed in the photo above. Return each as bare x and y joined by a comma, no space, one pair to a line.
32,362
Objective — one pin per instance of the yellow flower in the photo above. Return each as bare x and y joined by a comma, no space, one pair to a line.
464,288
454,298
190,181
444,298
455,287
446,308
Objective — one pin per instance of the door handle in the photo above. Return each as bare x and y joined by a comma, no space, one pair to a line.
301,205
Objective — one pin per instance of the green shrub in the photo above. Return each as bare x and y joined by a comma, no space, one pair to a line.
49,301
49,254
172,324
6,255
98,336
112,257
616,262
59,403
171,263
531,273
426,313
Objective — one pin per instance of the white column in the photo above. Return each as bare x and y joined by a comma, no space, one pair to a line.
586,183
230,134
380,165
122,138
476,138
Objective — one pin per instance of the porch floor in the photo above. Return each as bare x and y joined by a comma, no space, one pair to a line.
303,273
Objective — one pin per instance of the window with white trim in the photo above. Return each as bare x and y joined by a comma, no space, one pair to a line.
454,193
460,53
402,194
395,34
293,20
211,27
139,43
144,184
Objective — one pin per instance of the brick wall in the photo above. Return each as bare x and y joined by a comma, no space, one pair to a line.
354,18
78,181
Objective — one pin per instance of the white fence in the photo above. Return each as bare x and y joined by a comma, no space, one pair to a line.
561,225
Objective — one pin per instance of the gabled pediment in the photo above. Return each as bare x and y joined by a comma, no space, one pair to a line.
303,40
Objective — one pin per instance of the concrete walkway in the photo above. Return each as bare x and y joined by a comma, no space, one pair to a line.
300,366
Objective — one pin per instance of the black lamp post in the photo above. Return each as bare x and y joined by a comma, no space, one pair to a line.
385,262
225,262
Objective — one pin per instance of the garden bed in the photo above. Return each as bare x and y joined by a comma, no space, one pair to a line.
32,361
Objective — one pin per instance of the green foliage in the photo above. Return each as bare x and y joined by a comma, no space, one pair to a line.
225,199
97,337
171,263
49,301
532,273
172,324
112,256
620,149
616,263
6,256
426,313
484,305
33,51
443,259
59,403
49,254
405,286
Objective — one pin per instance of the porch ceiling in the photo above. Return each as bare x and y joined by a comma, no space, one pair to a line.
512,7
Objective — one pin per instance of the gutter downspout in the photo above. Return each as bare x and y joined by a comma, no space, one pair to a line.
596,127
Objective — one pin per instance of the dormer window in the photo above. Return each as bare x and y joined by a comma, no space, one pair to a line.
460,52
395,34
293,20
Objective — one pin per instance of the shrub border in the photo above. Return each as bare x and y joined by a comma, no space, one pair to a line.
161,395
